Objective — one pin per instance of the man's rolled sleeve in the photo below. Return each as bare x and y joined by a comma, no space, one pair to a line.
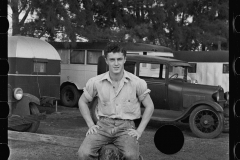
89,91
142,90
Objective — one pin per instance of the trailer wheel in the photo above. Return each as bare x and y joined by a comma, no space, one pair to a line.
206,122
69,96
93,110
34,111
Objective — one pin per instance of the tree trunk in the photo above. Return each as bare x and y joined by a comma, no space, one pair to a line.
15,17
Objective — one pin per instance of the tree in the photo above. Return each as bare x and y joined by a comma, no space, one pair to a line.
180,25
51,17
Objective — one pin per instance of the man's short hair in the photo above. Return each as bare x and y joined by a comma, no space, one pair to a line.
114,48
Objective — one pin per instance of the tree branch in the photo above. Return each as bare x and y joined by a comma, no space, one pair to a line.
43,32
23,7
25,16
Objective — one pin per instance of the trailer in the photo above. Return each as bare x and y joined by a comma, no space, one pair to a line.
208,67
34,66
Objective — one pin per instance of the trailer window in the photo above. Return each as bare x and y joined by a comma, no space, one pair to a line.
192,69
40,67
225,68
93,55
77,57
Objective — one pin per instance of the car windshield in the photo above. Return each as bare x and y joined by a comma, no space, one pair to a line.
176,72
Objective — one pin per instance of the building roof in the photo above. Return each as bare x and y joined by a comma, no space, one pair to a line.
202,56
29,47
154,59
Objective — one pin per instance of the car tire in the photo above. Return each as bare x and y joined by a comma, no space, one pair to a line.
35,125
206,122
93,110
69,96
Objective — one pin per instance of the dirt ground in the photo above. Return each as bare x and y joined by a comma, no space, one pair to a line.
70,123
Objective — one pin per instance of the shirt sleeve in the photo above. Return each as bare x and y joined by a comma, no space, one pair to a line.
142,90
90,90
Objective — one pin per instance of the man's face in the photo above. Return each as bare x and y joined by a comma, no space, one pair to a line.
115,62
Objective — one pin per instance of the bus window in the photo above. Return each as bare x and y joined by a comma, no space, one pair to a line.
192,69
77,57
225,68
64,55
92,56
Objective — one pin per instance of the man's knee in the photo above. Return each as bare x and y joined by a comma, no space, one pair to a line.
83,153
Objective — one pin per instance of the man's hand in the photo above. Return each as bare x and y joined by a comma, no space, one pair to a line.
134,133
92,129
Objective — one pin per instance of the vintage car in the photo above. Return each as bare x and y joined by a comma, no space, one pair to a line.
176,99
24,115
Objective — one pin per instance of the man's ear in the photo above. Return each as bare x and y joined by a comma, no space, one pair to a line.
106,60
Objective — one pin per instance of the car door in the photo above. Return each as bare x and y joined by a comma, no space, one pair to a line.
154,75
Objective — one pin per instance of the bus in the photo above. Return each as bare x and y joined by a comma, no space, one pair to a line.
79,63
208,67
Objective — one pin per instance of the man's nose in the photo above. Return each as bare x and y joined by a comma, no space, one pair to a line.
116,62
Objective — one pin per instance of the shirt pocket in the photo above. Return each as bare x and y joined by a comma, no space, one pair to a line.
130,105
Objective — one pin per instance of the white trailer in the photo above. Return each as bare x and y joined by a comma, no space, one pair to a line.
208,67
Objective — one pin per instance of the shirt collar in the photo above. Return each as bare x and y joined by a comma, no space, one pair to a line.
125,78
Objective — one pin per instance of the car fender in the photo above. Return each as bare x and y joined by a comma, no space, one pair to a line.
212,104
21,106
32,98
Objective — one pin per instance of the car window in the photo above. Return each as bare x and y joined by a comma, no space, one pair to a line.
130,67
152,70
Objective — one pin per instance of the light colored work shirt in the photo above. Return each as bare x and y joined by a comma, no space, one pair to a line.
123,103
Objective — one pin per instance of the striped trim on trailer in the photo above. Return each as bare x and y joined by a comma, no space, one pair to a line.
34,75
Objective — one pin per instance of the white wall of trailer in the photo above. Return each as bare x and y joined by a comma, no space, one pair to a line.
211,74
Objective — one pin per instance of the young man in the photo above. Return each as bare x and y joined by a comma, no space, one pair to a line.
120,94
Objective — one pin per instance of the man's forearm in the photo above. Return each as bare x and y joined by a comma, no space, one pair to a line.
83,107
145,118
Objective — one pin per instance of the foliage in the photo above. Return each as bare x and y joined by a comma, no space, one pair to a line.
181,25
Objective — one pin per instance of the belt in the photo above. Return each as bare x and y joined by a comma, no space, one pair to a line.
103,117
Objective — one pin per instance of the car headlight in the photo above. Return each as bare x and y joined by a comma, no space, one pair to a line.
18,93
216,96
226,96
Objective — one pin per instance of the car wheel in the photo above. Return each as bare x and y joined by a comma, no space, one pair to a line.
93,110
206,122
69,96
